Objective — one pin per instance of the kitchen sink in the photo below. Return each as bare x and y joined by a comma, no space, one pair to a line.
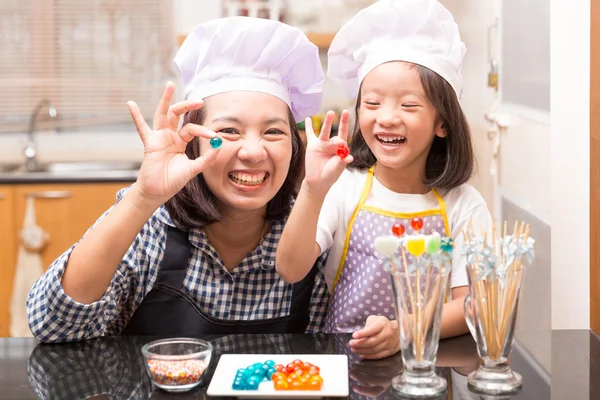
72,171
9,167
84,167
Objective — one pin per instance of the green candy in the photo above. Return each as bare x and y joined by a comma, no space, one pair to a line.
433,243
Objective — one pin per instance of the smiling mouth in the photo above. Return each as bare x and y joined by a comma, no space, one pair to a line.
390,140
247,179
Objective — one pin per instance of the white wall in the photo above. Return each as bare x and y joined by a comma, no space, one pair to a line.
119,146
526,165
569,195
473,17
104,145
544,163
189,13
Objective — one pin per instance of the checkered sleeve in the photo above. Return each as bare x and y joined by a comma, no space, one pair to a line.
54,316
319,299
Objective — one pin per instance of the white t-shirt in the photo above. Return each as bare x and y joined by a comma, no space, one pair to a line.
463,204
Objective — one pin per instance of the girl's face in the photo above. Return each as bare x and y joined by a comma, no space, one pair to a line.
397,120
255,156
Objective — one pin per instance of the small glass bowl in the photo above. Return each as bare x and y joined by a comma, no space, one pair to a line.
177,365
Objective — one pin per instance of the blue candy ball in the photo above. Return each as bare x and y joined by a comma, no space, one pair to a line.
270,373
270,363
252,384
238,384
216,142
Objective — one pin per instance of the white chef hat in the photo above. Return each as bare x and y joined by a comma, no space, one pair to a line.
254,54
418,31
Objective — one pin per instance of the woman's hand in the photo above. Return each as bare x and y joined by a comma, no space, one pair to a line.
166,169
378,339
323,165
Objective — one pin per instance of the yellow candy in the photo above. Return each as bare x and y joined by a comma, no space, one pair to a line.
415,245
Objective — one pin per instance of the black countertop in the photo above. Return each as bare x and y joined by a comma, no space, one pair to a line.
113,368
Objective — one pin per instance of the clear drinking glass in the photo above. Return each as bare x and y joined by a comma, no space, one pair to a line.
419,299
491,312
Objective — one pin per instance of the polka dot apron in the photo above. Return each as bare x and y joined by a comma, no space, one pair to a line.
361,286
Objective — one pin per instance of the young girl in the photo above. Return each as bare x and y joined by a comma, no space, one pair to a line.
410,157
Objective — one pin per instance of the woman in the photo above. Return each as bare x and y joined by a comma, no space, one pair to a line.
190,248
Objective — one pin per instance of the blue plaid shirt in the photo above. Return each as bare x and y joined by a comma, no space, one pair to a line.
253,290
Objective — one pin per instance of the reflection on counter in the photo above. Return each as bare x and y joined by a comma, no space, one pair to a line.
114,367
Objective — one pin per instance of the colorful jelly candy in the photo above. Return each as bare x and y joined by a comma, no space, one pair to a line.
415,245
250,378
297,375
416,223
398,230
447,244
343,151
386,245
433,243
216,142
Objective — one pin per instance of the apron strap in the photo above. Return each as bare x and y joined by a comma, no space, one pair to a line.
361,202
442,204
175,260
302,291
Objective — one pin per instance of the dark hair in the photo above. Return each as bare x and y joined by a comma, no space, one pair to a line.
195,206
451,159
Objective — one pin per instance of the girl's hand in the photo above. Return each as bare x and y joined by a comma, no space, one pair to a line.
166,169
378,339
323,165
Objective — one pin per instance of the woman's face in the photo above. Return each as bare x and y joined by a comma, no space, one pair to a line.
254,159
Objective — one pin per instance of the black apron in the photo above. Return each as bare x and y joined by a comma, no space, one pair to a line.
168,310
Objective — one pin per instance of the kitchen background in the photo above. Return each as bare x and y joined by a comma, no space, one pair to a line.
88,58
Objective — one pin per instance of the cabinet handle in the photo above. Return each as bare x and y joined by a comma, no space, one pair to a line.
51,194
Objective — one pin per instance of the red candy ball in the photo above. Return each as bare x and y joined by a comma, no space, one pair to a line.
343,151
416,223
398,230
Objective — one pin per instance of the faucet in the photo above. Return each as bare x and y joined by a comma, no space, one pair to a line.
30,149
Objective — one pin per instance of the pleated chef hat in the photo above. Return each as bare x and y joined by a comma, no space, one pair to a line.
418,31
254,54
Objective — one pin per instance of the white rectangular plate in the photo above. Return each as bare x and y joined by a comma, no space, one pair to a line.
334,371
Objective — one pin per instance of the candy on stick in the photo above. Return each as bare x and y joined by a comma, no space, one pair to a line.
499,264
342,151
428,251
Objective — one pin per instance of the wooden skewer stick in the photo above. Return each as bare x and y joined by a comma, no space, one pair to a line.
403,305
512,289
430,315
412,301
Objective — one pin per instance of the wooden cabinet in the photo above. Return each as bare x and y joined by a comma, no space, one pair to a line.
7,253
63,210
